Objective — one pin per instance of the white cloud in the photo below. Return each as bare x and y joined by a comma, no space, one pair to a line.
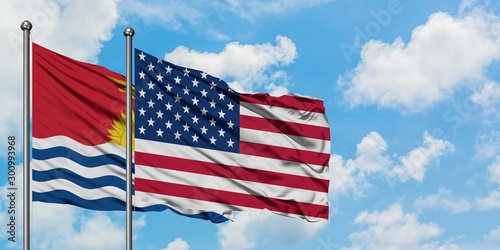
351,176
250,10
489,202
245,63
74,28
413,164
252,229
210,17
443,200
494,169
493,235
394,229
488,97
487,146
443,55
177,244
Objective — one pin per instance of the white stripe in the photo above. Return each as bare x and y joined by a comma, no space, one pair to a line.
183,205
283,140
283,114
233,159
93,172
225,184
87,194
54,141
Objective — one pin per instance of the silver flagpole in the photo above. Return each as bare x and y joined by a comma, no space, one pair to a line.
26,27
129,33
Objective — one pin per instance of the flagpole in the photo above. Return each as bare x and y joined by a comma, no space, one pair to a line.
26,28
129,33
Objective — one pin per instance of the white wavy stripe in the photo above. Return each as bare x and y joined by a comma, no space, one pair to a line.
60,140
87,172
237,186
283,114
233,159
182,205
283,140
87,194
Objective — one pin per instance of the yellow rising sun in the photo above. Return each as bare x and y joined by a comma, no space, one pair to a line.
117,134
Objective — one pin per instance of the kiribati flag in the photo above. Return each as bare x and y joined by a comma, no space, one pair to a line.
205,150
78,133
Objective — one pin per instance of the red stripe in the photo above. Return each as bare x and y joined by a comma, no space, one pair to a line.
232,172
232,198
285,101
286,154
289,128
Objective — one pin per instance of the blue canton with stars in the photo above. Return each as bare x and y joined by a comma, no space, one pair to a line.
184,106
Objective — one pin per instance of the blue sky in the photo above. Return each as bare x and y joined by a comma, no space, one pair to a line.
411,90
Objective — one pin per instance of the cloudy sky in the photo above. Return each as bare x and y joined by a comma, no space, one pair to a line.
411,90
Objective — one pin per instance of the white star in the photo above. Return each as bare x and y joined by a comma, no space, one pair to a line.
168,69
186,90
142,75
230,106
195,82
159,96
195,138
186,72
212,103
195,101
178,98
169,88
142,130
204,130
212,122
168,106
186,127
168,124
230,124
151,85
177,135
186,109
151,103
142,93
221,96
158,60
230,143
142,56
142,111
160,77
221,132
204,75
151,122
151,67
195,119
177,116
160,114
221,114
212,85
212,140
204,93
204,111
177,80
160,132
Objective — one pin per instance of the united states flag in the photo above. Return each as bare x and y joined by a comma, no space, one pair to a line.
205,150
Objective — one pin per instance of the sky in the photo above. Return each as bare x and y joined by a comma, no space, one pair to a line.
411,91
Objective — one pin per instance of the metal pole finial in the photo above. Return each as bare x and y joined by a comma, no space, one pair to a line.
26,25
128,32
